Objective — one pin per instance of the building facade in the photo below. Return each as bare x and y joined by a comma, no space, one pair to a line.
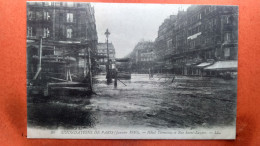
163,43
64,30
142,56
102,52
202,34
61,21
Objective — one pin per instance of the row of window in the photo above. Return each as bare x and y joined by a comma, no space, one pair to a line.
45,15
68,4
147,55
195,18
38,15
198,41
227,19
147,59
206,55
207,26
46,32
110,54
104,60
105,51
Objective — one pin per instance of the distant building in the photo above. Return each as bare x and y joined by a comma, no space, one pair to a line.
147,56
142,56
102,52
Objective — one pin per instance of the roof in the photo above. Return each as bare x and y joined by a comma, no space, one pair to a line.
223,65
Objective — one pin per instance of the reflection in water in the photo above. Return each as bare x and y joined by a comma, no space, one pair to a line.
159,102
53,115
144,102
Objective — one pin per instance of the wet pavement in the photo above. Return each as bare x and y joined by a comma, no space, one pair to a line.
143,102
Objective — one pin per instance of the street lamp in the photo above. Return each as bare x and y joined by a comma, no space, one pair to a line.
109,80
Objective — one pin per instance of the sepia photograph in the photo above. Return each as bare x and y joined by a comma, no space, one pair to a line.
131,71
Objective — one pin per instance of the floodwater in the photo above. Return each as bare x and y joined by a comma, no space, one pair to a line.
142,102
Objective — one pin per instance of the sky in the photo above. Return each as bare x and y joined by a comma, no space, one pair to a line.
131,23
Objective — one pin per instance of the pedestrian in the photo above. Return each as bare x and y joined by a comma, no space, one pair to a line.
115,80
152,73
149,71
173,78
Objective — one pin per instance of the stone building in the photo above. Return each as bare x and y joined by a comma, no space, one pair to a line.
163,43
142,56
201,36
102,53
64,30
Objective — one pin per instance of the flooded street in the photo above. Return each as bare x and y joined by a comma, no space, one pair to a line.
143,102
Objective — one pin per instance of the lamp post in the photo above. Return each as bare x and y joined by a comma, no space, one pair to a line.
109,80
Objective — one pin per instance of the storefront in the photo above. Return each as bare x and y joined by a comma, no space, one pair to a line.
226,69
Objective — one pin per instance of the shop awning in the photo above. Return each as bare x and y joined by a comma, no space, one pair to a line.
223,65
203,64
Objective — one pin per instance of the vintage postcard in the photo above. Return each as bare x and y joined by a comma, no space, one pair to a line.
131,71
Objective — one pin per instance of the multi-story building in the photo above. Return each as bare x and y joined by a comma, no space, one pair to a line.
203,35
61,21
142,56
163,43
64,30
102,52
147,56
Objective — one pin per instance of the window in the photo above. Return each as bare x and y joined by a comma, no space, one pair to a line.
227,19
200,16
58,4
47,3
29,31
46,32
46,15
210,24
30,15
169,43
69,33
69,17
227,37
227,52
215,21
70,4
38,15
